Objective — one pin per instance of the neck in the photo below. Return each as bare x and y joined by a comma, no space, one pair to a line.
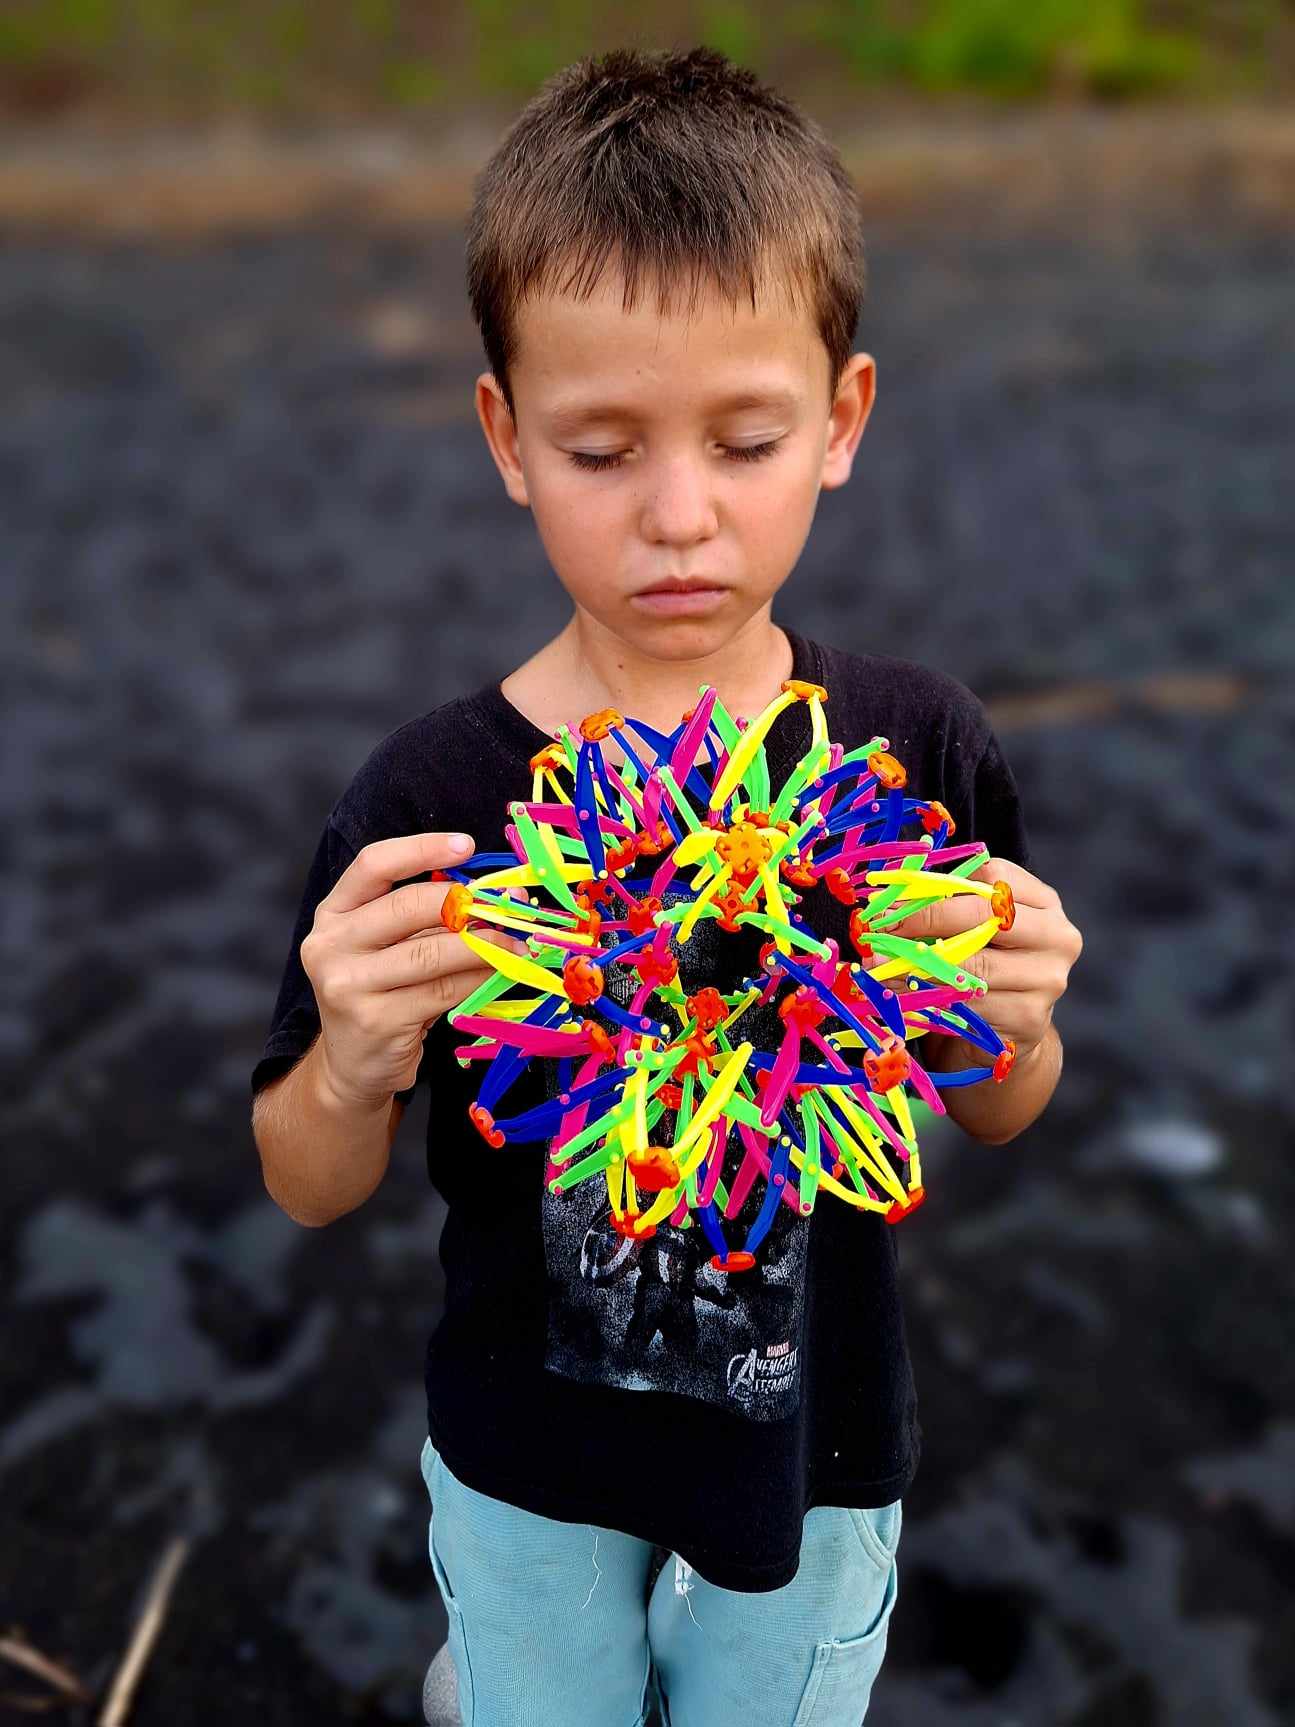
746,671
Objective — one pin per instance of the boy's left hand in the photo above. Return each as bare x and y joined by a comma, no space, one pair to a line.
1026,967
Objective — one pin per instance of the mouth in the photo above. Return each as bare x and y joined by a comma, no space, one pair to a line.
679,597
677,585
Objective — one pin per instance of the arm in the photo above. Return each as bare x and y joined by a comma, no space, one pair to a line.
321,1156
377,968
993,1113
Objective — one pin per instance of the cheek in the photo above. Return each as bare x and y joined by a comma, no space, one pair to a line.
579,524
772,514
565,502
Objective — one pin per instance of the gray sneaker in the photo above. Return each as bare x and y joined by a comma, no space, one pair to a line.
441,1692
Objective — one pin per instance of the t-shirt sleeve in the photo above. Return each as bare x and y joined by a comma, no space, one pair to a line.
294,1024
986,804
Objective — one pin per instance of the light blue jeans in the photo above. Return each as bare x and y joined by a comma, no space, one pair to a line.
550,1623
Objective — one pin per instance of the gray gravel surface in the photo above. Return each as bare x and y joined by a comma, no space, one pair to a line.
249,526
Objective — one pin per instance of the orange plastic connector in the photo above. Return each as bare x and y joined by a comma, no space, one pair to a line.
934,815
795,870
484,1122
743,848
889,1066
802,1008
598,1042
845,989
731,906
592,893
700,1049
707,1007
655,968
840,887
642,915
595,727
652,845
906,1208
802,690
890,773
456,907
859,935
1005,1059
623,853
1002,904
653,1169
582,980
551,756
627,1224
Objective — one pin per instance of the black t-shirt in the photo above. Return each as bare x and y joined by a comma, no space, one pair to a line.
629,1384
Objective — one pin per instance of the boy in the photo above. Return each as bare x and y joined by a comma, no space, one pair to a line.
586,1407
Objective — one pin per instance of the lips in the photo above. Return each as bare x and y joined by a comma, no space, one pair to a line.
677,587
680,600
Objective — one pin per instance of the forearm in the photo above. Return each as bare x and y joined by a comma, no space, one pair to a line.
989,1112
320,1156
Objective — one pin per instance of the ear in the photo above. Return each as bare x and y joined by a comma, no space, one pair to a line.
854,398
501,436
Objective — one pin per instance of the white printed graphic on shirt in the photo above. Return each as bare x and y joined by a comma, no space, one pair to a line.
656,1314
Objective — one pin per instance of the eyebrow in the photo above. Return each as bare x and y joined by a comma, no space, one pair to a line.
574,416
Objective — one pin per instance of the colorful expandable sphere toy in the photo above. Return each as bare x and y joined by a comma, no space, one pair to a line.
691,816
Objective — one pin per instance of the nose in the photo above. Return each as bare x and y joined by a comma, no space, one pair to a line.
678,509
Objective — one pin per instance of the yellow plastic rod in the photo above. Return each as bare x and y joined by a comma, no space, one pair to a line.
743,755
513,965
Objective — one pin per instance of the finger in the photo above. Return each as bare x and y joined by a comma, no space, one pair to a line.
382,862
1027,889
395,915
1018,1013
378,865
412,906
424,1003
501,937
965,911
421,959
1029,928
950,916
1005,973
945,918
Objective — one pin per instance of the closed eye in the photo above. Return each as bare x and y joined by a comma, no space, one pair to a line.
734,452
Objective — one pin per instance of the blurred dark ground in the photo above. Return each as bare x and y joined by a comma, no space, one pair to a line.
250,526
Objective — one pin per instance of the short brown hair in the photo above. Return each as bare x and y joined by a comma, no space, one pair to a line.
672,164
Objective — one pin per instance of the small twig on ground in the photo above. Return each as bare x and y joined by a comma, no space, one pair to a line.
144,1635
1103,698
16,1649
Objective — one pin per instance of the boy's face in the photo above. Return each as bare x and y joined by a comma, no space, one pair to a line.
630,455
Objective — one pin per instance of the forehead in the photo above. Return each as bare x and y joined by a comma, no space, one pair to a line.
575,357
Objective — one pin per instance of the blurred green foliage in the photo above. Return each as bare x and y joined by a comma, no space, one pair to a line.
326,58
1107,48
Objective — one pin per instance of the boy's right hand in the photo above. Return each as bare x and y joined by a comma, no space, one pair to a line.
384,968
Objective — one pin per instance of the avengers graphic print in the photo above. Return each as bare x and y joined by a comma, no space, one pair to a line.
655,1315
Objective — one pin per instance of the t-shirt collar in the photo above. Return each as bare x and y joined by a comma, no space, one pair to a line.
523,738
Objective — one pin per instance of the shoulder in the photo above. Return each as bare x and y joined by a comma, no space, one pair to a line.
914,705
401,784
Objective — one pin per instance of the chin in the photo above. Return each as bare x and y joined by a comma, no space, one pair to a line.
677,645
